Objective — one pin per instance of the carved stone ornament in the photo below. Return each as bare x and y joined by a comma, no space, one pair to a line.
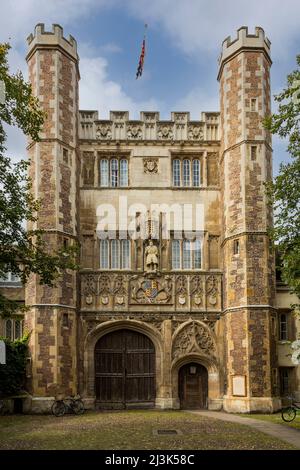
197,289
212,290
134,132
104,300
104,132
89,300
194,337
195,133
120,300
165,132
89,286
150,291
150,165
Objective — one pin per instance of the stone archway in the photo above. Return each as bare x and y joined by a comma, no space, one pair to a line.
195,342
125,370
111,326
193,386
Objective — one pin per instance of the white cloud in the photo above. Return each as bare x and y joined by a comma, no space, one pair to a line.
198,25
97,92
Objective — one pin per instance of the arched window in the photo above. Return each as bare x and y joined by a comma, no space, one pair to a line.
176,172
104,254
196,172
186,254
115,254
104,172
186,172
18,329
197,254
114,172
125,254
175,254
9,329
123,173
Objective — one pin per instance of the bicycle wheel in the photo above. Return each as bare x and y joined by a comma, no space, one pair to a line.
78,407
58,408
288,414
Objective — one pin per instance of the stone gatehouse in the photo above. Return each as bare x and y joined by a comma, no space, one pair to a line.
191,320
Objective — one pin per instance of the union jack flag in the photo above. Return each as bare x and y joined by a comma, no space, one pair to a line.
142,58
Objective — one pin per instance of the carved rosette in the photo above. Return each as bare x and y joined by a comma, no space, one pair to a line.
195,132
150,165
195,337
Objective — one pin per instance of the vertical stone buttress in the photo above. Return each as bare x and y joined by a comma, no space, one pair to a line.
54,75
249,280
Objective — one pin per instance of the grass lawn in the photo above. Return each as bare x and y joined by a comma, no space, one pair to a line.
274,418
129,430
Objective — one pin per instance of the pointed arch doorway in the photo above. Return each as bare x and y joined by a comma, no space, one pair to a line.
125,370
193,386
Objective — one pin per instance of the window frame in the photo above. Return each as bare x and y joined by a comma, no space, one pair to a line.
121,175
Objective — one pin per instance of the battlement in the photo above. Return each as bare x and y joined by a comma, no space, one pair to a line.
51,39
149,127
244,40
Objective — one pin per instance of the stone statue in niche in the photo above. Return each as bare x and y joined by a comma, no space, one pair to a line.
151,254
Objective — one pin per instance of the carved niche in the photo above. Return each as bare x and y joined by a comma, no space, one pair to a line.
154,290
104,288
194,337
88,162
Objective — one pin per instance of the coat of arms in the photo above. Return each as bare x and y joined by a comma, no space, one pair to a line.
150,165
150,288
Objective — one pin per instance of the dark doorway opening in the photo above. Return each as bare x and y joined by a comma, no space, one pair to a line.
193,386
125,370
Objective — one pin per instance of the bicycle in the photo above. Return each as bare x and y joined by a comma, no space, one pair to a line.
289,413
73,404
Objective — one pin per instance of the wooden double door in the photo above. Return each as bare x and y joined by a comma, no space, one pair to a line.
125,370
193,386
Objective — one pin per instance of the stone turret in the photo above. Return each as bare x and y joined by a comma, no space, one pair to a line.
54,75
245,164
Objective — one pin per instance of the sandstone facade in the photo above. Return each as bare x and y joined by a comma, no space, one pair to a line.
219,308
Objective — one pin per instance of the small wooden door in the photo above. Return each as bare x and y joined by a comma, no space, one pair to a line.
193,386
125,370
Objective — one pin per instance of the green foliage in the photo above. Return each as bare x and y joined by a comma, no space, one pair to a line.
12,374
23,252
284,191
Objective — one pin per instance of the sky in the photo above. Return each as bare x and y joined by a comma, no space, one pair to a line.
184,40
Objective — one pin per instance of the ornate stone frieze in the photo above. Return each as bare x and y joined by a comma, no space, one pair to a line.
194,337
190,293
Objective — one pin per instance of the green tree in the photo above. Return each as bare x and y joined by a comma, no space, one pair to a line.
284,190
22,252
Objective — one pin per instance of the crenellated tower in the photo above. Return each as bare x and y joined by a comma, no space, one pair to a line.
249,281
54,75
